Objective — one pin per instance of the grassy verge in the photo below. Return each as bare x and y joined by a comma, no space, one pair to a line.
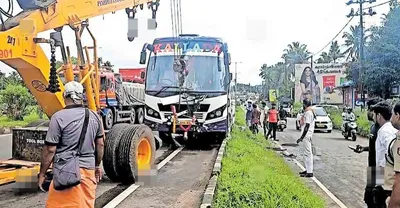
253,176
362,121
6,122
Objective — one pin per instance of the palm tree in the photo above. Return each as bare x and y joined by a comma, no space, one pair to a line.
393,4
324,58
334,52
352,43
263,72
296,53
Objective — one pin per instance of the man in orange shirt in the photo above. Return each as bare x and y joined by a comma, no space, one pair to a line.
273,117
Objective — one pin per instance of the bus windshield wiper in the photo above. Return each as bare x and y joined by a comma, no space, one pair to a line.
165,88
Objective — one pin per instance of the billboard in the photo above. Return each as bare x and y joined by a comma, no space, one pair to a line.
273,95
318,83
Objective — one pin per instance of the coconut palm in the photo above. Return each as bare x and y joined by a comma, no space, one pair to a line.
352,43
334,52
295,53
324,58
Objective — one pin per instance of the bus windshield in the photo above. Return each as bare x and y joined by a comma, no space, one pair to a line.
204,74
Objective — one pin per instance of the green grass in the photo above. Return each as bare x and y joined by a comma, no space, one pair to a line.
6,122
255,177
362,121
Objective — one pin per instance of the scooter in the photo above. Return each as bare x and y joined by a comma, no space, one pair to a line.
281,125
351,130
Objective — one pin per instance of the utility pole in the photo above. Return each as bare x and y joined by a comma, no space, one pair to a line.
236,89
361,14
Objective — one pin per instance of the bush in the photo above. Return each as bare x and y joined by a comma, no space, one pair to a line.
16,99
253,176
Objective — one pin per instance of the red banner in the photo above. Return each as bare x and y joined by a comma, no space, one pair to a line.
328,81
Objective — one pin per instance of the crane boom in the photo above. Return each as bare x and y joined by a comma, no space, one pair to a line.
20,49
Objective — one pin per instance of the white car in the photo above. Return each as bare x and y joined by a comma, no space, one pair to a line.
322,123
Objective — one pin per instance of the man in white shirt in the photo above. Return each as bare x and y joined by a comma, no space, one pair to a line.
382,114
307,123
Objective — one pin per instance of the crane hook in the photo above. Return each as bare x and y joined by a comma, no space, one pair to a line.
131,12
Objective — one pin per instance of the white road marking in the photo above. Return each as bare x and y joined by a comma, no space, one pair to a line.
320,185
122,196
326,190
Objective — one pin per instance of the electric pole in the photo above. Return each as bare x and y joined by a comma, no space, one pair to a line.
236,89
361,14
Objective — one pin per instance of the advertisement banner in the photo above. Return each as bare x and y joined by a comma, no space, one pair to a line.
272,95
318,83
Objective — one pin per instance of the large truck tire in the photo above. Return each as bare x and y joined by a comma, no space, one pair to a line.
136,152
133,116
108,120
140,115
111,150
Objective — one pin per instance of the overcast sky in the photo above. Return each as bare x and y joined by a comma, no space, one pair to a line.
257,32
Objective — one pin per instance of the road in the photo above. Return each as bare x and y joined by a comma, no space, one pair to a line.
341,170
180,183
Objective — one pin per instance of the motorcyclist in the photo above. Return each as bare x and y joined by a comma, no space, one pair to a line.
282,113
344,113
348,117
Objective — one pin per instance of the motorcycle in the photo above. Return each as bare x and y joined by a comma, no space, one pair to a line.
281,125
351,130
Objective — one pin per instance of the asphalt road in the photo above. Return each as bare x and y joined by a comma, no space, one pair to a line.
341,170
106,190
180,183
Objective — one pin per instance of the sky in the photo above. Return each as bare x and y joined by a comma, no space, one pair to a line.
256,32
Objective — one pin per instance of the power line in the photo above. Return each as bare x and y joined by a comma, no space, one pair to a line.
377,5
344,27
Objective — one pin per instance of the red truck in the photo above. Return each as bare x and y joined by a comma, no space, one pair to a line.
132,74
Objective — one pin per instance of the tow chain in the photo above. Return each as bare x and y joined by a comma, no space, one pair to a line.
54,85
175,119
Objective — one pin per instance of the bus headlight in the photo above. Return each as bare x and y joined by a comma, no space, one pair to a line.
216,113
152,113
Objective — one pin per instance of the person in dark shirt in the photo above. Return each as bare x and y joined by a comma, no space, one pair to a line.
282,113
368,194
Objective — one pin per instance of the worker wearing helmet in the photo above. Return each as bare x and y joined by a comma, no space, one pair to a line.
74,132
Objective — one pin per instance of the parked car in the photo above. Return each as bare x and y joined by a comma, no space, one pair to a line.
328,107
322,123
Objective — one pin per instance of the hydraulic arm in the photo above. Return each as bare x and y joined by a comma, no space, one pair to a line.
20,47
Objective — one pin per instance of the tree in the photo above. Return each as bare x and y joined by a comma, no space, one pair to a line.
16,99
324,58
382,68
295,53
74,61
334,52
352,43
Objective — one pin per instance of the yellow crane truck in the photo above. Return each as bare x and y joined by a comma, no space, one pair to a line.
129,148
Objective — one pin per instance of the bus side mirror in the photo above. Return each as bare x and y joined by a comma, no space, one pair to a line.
142,75
143,57
227,59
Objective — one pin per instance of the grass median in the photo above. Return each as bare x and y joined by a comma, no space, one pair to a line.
254,177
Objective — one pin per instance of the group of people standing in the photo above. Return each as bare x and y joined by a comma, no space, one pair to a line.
264,117
384,155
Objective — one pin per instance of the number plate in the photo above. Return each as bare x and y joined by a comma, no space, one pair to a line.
320,125
186,123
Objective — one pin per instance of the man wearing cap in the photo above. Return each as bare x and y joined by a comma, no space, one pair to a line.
65,129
